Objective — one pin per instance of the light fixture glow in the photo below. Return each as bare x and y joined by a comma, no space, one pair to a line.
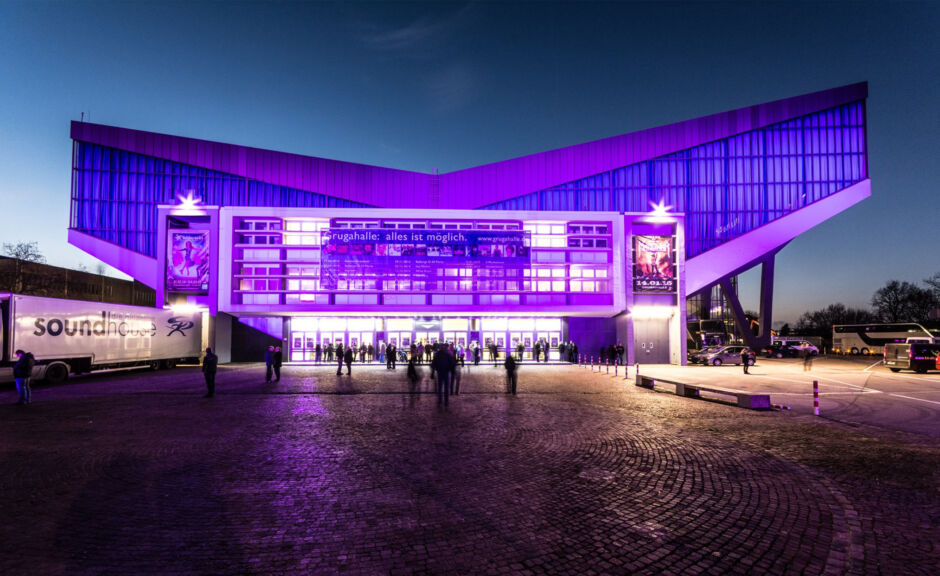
660,209
189,201
652,312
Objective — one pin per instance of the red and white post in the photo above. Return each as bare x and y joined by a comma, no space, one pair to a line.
816,397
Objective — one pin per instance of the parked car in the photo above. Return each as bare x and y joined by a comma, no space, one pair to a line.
725,355
790,348
698,356
781,350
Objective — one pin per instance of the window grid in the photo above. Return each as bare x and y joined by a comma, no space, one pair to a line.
731,186
115,193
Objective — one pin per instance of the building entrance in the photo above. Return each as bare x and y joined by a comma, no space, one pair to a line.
507,333
651,341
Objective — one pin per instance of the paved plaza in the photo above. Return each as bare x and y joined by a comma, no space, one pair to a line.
580,473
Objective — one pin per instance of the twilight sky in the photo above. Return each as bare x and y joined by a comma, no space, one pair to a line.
445,86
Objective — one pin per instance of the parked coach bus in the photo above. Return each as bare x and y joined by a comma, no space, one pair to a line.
867,339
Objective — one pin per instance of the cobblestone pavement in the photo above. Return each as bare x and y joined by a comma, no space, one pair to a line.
136,473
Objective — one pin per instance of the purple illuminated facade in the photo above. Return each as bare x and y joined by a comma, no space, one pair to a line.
541,247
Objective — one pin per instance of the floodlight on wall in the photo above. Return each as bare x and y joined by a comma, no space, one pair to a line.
186,308
190,204
652,312
660,212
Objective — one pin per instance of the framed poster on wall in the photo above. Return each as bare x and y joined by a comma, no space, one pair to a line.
654,264
187,261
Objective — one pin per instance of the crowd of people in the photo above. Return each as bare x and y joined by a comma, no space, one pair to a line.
423,352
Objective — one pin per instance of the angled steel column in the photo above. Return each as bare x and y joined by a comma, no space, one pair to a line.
732,297
766,299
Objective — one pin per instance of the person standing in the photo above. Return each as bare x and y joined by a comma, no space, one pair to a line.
23,373
319,352
348,357
537,350
511,377
745,358
209,366
268,364
278,360
441,365
620,351
390,356
476,355
370,352
329,352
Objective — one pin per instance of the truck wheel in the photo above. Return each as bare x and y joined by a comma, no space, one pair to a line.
716,362
894,369
169,364
57,373
155,365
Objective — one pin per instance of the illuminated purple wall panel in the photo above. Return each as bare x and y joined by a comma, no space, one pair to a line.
470,188
356,182
483,185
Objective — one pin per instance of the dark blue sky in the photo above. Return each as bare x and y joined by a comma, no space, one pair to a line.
447,86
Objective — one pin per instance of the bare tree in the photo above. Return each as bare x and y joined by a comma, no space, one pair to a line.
28,251
903,302
933,284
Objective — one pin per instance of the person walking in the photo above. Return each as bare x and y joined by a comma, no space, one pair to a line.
23,374
456,378
209,366
390,353
348,357
511,377
268,364
807,360
441,365
746,358
278,360
413,376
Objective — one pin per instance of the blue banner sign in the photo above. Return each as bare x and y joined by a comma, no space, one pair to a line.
418,254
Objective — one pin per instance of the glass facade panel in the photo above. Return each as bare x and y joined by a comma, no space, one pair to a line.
730,186
115,194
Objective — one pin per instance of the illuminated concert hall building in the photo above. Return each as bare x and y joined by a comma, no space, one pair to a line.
621,239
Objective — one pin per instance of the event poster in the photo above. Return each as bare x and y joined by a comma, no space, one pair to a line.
654,266
378,252
187,261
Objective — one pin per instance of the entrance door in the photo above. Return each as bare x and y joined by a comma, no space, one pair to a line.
427,337
651,341
551,339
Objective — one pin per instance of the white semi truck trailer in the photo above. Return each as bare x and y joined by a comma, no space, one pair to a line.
74,337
